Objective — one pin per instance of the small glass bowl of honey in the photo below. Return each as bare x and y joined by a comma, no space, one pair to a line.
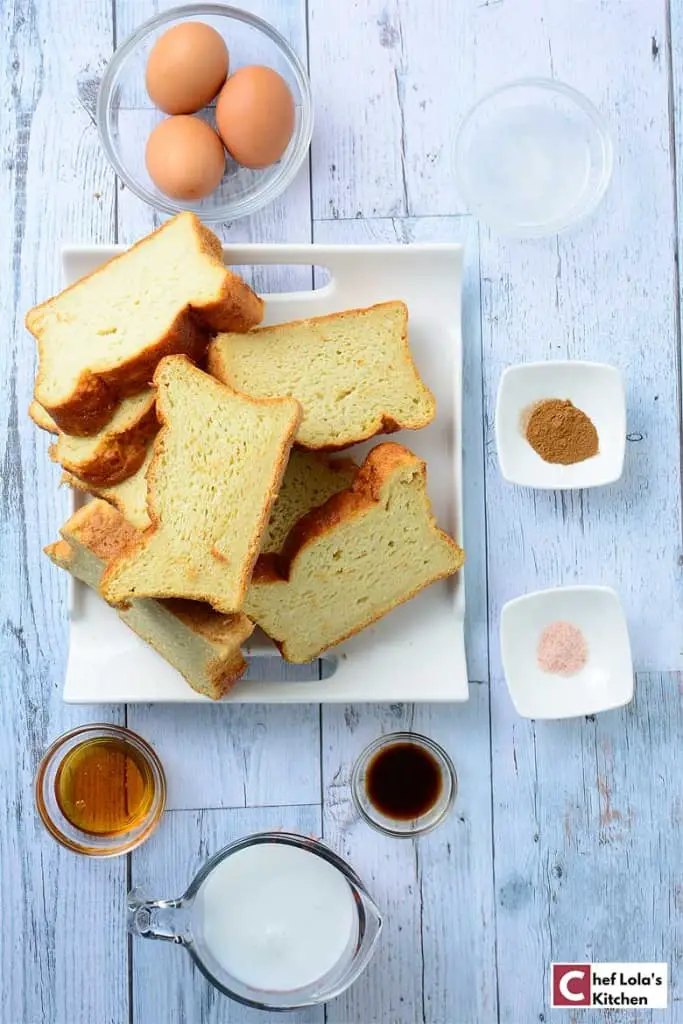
100,790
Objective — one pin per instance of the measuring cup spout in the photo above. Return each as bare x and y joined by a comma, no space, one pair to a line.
371,931
157,919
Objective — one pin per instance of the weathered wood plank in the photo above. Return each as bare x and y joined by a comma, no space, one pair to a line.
57,963
406,73
673,54
235,755
587,817
603,291
436,959
166,985
463,230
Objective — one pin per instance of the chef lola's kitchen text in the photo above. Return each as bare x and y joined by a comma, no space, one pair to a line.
643,985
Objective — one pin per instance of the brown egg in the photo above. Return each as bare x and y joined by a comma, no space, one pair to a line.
255,116
186,68
185,158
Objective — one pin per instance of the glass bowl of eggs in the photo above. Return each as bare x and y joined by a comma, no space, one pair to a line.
206,108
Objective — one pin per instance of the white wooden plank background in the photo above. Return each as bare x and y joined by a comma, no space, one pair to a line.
565,840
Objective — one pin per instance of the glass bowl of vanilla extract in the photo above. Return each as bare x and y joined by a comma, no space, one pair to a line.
404,784
100,790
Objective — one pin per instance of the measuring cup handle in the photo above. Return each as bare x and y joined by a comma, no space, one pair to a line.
157,919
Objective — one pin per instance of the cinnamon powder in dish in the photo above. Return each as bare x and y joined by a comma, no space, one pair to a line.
559,432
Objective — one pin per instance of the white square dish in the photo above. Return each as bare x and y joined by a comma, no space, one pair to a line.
417,652
595,388
605,682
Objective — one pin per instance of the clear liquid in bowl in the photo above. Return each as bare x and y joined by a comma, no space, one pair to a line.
531,164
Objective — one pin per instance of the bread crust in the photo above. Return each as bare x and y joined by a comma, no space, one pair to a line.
42,418
118,455
217,628
104,531
106,494
222,677
364,494
344,469
384,423
237,303
143,536
95,396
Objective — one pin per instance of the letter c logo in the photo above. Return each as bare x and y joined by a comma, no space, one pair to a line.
564,988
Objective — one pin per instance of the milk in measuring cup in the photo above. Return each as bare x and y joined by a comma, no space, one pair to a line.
275,917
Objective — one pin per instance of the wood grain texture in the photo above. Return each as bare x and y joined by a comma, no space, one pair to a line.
56,963
406,73
673,55
166,985
436,892
235,755
603,292
464,230
586,815
587,819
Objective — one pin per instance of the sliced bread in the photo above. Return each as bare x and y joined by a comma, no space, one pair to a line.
101,339
309,480
216,469
118,450
352,373
201,644
349,562
129,497
41,418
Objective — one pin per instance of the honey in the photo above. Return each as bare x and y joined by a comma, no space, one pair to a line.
104,786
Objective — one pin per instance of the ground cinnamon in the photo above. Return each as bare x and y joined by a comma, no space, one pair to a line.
561,433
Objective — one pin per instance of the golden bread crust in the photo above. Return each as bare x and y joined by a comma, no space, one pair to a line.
363,495
384,422
118,455
102,530
42,418
95,396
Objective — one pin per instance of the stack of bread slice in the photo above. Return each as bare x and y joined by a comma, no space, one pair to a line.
216,506
203,645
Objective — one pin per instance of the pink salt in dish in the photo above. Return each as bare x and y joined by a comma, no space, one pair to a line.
562,649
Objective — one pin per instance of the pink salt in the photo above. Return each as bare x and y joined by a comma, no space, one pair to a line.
562,649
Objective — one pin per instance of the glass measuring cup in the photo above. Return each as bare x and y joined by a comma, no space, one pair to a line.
220,943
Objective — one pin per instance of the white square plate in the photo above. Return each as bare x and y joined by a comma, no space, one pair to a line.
417,652
605,682
595,388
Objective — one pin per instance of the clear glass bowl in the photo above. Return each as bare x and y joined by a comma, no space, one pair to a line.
533,157
126,115
404,827
100,844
